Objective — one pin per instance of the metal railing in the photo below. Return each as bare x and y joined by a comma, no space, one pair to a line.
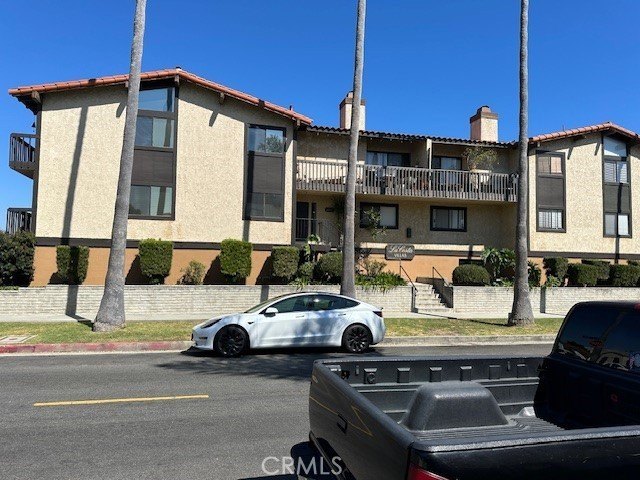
324,230
330,176
18,219
414,289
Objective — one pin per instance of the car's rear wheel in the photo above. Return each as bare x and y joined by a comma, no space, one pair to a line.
231,341
357,339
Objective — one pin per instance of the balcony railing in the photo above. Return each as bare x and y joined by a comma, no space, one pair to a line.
18,219
22,153
330,176
325,231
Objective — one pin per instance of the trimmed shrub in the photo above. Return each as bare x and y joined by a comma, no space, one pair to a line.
535,274
155,259
582,275
556,267
192,274
602,266
235,259
634,263
285,262
16,259
305,271
329,268
471,274
624,275
73,263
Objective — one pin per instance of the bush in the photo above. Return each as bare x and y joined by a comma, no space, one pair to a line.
552,282
634,263
602,266
192,274
471,274
16,259
372,268
305,272
383,280
329,268
285,262
535,274
500,263
155,259
556,267
235,259
624,275
582,275
73,263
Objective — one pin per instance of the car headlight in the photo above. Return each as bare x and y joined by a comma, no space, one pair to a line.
210,323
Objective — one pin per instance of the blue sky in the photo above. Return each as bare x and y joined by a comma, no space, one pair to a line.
429,63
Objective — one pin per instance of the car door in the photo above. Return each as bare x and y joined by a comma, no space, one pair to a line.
284,328
328,316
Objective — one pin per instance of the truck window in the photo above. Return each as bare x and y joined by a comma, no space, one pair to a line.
583,330
621,349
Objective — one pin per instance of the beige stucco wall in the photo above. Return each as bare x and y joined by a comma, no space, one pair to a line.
80,152
584,202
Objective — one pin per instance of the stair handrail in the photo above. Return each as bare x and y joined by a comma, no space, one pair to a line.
414,289
434,270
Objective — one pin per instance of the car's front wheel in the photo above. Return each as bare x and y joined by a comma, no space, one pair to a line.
357,339
230,341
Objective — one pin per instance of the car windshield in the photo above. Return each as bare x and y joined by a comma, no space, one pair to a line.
260,306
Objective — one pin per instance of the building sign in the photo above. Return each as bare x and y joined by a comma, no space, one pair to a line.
399,251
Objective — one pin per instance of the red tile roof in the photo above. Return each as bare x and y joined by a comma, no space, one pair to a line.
601,127
159,75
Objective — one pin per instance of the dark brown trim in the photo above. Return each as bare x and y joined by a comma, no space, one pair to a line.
540,206
443,207
608,210
36,175
591,255
106,243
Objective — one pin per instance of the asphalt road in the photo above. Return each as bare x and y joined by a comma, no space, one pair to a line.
257,408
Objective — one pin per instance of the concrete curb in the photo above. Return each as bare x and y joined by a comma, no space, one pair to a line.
128,347
442,341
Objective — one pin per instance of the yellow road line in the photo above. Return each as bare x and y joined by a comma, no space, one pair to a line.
118,400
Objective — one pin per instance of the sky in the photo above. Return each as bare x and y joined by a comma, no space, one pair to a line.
429,64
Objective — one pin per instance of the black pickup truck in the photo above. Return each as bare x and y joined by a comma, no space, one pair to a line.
574,414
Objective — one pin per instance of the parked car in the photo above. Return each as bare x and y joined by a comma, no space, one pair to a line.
574,414
294,320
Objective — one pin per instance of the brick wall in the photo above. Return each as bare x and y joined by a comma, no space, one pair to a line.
560,300
173,301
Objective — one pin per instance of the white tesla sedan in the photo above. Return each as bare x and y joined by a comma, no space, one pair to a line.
294,320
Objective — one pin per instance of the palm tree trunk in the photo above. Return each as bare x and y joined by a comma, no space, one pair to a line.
348,286
111,314
521,312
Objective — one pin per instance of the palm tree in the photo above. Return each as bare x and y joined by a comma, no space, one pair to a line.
521,312
348,285
111,313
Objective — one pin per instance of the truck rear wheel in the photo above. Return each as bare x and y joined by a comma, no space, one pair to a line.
357,339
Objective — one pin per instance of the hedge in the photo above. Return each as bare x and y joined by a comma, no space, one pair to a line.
285,262
602,266
16,259
305,271
155,259
470,274
235,259
556,267
329,268
73,263
624,275
582,275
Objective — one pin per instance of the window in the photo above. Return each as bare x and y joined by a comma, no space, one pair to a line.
615,171
583,330
264,189
614,147
616,224
550,220
621,349
388,214
329,302
153,175
448,219
550,192
446,163
294,304
388,159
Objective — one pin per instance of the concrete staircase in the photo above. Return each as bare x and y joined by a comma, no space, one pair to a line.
428,301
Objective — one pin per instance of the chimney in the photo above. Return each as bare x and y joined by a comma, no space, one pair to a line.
484,125
345,112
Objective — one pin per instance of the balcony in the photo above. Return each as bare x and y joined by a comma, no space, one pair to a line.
330,176
18,219
22,153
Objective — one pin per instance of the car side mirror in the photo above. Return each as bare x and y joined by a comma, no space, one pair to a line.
270,312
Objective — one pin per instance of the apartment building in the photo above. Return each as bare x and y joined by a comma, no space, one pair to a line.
212,163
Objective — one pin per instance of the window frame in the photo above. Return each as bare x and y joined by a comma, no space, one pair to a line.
616,160
363,205
246,214
174,150
610,210
441,207
617,227
404,155
541,206
440,157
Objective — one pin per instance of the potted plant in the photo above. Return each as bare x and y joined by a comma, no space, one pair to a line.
481,162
